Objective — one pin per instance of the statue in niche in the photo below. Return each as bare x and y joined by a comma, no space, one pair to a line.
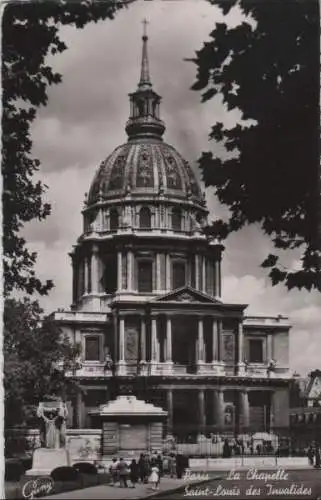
52,417
108,366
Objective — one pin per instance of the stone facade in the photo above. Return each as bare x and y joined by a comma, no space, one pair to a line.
147,295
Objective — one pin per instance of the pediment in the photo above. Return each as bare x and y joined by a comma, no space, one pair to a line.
187,295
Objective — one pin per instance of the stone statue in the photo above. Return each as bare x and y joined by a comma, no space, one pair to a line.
108,361
52,424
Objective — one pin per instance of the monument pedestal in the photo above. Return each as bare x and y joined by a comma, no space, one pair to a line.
45,460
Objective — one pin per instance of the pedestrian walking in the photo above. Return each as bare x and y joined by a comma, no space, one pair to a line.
113,469
310,454
147,468
159,465
123,473
179,465
134,473
141,467
154,477
172,465
317,457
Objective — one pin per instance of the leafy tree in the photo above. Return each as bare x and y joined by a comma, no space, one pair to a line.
30,32
36,359
268,67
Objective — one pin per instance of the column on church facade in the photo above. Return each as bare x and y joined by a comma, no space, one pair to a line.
95,269
169,340
130,267
197,273
122,339
200,341
244,414
217,280
201,410
218,407
154,341
215,341
158,272
119,271
269,353
168,272
143,339
86,276
241,365
81,277
204,274
74,278
219,338
169,407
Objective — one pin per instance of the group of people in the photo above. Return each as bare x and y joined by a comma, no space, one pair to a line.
314,455
148,469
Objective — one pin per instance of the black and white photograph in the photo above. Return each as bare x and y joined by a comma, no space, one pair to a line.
161,249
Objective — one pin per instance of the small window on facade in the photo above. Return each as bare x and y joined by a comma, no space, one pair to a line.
256,350
176,219
144,218
179,275
145,276
92,348
114,219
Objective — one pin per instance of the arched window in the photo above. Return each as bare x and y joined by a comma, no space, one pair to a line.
176,219
144,218
114,219
140,107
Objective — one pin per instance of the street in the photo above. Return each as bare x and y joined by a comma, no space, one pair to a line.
256,483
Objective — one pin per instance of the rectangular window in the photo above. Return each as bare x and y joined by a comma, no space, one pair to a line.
92,348
179,275
145,276
256,351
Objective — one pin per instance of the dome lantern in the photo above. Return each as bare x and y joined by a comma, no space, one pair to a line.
144,118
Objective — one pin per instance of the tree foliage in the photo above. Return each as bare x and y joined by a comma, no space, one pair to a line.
268,67
36,354
30,32
37,357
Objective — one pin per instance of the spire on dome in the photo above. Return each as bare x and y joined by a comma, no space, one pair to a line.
144,73
144,120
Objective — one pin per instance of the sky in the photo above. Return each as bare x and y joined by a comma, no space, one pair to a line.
84,121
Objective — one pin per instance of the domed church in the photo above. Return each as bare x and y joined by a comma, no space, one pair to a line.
147,307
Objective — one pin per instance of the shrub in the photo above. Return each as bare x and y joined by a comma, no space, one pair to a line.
27,463
14,469
85,468
65,474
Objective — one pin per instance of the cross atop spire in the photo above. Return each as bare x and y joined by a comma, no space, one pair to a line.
144,74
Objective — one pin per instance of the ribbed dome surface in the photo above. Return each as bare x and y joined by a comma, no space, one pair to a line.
144,167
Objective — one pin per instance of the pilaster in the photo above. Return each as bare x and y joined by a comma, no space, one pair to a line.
241,364
121,365
119,271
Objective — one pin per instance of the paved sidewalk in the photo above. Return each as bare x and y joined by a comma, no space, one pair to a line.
107,491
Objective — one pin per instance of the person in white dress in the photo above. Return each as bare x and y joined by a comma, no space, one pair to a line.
154,477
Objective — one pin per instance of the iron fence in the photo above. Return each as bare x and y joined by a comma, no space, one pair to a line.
209,441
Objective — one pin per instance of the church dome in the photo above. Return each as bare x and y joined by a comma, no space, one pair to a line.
144,167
